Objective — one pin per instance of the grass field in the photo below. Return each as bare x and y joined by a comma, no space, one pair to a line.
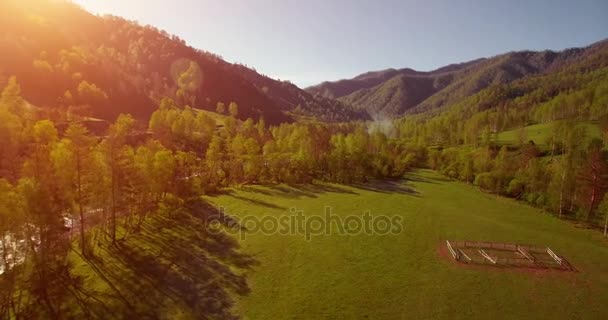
404,276
540,132
175,269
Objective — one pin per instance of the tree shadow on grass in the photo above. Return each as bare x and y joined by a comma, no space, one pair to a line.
396,186
256,202
314,190
416,177
297,191
323,188
388,186
173,268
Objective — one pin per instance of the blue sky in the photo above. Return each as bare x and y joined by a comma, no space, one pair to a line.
310,41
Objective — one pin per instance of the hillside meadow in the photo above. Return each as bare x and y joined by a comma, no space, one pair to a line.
408,275
541,133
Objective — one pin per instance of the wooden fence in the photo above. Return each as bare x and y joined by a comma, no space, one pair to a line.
507,254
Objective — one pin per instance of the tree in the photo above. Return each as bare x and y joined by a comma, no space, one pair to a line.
11,128
117,157
89,93
487,181
189,173
163,171
529,151
44,210
471,132
516,187
43,66
213,159
603,210
236,154
11,97
38,165
564,177
188,77
253,162
11,236
68,98
522,135
592,177
603,123
561,182
233,108
502,168
487,136
220,108
80,148
483,159
61,157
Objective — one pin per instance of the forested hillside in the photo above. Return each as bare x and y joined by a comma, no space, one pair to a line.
391,93
562,169
65,58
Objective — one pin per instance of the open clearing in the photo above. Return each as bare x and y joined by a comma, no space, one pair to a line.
540,133
405,276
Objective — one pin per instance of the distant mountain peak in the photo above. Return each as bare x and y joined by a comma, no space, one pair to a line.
394,92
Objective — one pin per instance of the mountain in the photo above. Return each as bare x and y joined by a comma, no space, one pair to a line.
66,58
301,102
395,92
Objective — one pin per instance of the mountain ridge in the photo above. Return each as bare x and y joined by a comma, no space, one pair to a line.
393,92
55,48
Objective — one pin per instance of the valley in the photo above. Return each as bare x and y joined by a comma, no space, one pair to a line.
145,176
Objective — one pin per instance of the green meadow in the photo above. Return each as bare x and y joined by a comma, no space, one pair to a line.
540,133
404,276
175,268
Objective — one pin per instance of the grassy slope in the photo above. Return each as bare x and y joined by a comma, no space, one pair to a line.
539,133
403,276
172,269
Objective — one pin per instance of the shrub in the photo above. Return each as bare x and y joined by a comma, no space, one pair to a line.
515,188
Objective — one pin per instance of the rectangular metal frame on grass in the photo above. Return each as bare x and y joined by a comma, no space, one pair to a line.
513,255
